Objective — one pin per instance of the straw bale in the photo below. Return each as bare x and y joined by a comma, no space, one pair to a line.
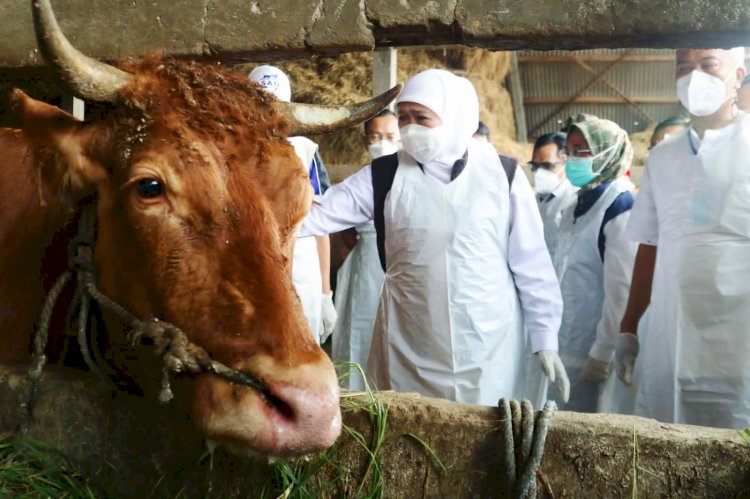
346,79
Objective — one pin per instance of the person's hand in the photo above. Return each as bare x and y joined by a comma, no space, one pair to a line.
328,317
625,354
594,371
555,370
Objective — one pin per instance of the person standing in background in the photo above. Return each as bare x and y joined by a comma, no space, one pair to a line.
692,223
593,258
553,190
360,278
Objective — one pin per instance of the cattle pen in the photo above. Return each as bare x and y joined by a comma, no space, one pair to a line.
81,438
394,445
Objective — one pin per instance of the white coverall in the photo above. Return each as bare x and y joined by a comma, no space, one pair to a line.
358,286
694,206
551,208
522,253
306,275
595,291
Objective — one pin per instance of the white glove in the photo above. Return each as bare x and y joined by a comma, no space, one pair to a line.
328,317
625,354
594,371
555,370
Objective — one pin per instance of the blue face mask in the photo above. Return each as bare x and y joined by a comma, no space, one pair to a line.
580,171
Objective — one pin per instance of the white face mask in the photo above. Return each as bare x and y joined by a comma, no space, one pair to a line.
382,148
546,181
422,143
701,94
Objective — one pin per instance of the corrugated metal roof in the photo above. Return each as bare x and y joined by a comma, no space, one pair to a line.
555,81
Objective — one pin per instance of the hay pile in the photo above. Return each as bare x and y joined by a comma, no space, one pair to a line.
346,79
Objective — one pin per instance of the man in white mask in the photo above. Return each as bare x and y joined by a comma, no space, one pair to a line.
553,190
360,277
381,136
470,294
312,256
694,207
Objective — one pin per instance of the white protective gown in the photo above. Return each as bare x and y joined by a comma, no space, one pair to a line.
306,275
594,292
449,322
694,205
358,286
551,210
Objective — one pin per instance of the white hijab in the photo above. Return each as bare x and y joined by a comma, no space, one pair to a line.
455,101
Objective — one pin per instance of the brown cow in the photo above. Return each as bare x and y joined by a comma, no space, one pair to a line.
198,196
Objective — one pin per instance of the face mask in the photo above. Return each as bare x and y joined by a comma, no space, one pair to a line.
545,181
701,94
422,143
580,171
382,148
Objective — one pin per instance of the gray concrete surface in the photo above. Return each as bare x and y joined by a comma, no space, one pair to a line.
137,448
237,30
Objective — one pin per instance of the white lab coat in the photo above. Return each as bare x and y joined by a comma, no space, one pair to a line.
695,208
595,291
551,209
358,286
449,323
306,275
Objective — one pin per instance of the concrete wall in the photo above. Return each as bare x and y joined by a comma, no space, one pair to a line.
136,448
283,29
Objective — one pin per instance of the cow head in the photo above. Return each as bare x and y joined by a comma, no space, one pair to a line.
199,196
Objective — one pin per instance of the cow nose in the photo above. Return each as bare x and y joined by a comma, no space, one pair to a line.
312,413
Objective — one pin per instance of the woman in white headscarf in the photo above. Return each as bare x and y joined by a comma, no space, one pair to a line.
470,292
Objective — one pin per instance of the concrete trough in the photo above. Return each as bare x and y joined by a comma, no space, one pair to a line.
133,447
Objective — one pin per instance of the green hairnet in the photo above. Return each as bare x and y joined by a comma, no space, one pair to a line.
601,135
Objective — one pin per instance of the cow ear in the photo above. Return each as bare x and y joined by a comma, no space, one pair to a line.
60,143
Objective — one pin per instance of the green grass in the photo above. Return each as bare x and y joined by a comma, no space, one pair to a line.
34,469
303,479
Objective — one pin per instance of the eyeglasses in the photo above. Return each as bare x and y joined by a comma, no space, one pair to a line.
578,152
547,165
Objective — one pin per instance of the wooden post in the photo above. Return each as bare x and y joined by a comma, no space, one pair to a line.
513,82
73,105
384,71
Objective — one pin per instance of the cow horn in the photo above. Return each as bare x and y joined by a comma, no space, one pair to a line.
309,119
85,77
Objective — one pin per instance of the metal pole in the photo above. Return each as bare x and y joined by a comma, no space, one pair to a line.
384,71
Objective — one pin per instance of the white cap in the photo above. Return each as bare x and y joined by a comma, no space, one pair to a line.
273,80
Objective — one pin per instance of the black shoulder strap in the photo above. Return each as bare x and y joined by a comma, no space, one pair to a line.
383,172
509,165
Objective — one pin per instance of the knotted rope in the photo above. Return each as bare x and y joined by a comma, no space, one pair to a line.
178,354
524,433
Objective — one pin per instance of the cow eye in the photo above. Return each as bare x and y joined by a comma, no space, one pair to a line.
150,188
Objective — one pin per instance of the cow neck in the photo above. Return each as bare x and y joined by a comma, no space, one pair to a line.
179,355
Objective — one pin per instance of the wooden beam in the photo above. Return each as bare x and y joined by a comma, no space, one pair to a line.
513,82
616,90
600,58
601,100
580,92
596,58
